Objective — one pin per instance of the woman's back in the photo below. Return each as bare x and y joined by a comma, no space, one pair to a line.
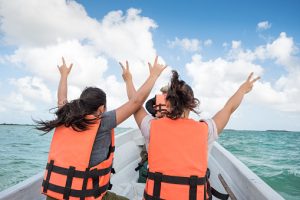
176,146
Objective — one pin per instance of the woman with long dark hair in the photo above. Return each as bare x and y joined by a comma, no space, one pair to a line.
82,147
178,146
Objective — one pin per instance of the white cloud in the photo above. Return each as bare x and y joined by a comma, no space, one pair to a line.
117,36
39,23
32,88
90,44
191,45
216,80
17,102
264,25
282,50
42,61
225,44
208,42
236,44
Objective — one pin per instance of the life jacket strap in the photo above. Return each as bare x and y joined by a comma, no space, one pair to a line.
192,181
84,183
149,197
110,185
49,170
181,180
69,180
77,173
193,188
111,149
157,184
70,173
78,193
218,194
213,192
160,107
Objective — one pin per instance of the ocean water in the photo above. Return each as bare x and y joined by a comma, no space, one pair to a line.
23,153
272,155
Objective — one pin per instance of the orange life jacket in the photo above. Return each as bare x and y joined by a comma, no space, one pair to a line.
177,157
160,103
68,175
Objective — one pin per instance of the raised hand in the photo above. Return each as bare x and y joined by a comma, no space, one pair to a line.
156,68
248,84
63,69
126,72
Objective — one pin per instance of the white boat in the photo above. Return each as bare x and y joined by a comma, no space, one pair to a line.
237,178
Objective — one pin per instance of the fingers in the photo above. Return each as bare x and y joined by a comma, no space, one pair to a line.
254,80
63,60
150,67
123,68
156,59
165,67
71,65
127,65
249,77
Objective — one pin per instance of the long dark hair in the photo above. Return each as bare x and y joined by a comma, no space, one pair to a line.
74,113
181,97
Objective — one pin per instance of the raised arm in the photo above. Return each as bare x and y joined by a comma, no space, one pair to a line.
140,113
222,117
62,92
136,99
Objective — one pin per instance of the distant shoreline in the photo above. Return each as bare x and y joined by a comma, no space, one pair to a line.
268,130
5,124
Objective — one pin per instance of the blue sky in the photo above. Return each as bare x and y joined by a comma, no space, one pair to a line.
213,44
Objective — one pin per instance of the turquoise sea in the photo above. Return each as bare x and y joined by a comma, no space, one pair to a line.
272,155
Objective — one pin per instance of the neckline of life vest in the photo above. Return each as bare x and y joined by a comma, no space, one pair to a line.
179,119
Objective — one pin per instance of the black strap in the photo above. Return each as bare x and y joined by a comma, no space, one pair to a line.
113,171
109,186
77,173
205,186
49,170
78,193
218,194
193,188
212,191
95,179
157,185
69,180
160,109
177,179
192,181
149,197
84,183
111,149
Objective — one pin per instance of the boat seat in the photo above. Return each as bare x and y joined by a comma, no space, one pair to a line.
127,156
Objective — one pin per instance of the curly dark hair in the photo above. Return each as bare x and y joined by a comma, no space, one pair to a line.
181,97
74,113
